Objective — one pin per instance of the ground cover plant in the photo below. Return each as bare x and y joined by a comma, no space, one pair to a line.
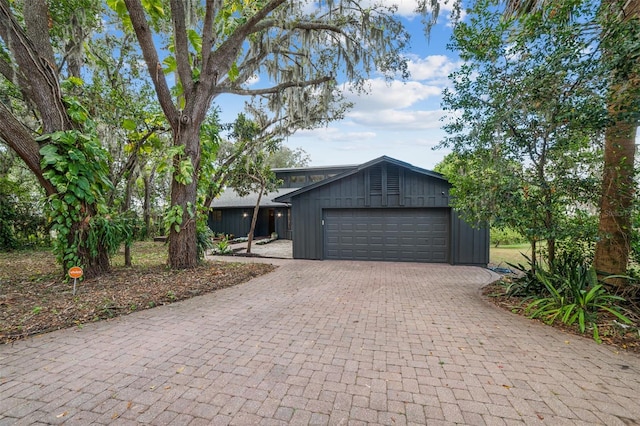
34,298
569,296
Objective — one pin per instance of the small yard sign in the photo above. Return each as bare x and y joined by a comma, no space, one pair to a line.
75,272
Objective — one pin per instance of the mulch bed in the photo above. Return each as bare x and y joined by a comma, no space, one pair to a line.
43,302
622,340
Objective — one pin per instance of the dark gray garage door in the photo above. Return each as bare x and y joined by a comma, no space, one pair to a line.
405,235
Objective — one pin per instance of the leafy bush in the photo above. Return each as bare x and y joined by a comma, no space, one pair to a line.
204,235
527,285
222,247
571,253
574,296
22,223
506,236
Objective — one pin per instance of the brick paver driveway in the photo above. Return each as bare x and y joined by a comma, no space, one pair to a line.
317,343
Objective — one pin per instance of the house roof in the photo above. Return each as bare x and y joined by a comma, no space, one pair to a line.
286,198
230,199
312,168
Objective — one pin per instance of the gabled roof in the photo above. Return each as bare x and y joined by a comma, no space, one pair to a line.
286,198
231,199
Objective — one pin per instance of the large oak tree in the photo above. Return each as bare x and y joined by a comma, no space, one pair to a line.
217,47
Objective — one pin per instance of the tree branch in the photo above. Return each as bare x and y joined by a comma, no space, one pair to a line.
18,138
181,46
221,59
36,15
298,25
145,38
275,89
212,8
38,71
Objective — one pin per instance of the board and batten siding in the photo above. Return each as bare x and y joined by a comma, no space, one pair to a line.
237,221
381,186
469,245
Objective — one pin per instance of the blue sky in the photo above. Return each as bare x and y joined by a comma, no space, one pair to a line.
400,119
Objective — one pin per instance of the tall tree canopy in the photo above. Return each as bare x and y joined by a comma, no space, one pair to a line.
618,24
217,47
527,114
43,120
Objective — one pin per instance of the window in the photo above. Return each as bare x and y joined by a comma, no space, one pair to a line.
316,178
216,215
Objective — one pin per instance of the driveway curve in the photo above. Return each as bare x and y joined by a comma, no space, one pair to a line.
322,343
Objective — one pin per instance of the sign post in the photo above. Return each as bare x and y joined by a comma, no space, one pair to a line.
75,272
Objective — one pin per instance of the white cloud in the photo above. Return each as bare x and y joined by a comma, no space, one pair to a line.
396,94
434,67
253,80
333,134
398,119
405,8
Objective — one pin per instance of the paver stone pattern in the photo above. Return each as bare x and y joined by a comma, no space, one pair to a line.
328,342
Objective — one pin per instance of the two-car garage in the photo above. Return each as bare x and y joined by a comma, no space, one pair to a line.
400,235
383,210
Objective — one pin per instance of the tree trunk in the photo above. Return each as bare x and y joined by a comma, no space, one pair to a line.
183,247
254,219
618,187
37,76
551,249
146,207
614,228
534,256
93,265
126,206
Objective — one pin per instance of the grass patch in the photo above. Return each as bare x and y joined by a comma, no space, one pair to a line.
509,254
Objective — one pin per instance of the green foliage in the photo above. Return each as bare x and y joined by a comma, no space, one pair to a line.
526,118
505,236
575,296
173,219
77,166
22,223
8,215
635,233
527,285
222,247
567,291
204,236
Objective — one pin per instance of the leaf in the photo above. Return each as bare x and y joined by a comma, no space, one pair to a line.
118,6
195,40
154,8
129,124
234,72
170,65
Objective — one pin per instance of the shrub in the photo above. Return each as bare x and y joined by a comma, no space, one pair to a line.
526,285
574,296
506,236
222,247
204,235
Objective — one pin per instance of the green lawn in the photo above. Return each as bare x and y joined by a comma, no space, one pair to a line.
511,254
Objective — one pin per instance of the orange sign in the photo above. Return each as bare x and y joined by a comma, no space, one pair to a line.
75,272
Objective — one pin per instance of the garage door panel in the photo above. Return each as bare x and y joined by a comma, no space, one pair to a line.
417,235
